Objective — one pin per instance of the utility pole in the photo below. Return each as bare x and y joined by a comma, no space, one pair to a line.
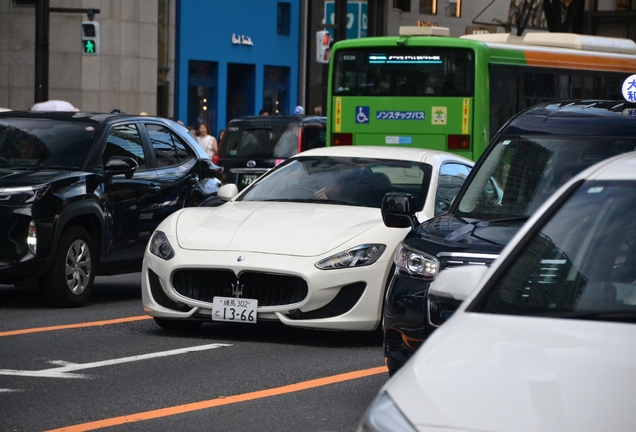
41,50
340,19
42,15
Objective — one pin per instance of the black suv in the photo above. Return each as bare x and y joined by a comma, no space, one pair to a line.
81,194
252,145
529,158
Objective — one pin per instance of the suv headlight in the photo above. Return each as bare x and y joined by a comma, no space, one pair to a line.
160,246
384,416
22,195
358,256
416,263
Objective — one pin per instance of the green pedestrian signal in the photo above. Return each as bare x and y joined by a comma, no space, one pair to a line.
90,38
89,46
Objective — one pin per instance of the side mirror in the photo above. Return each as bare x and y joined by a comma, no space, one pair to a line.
398,210
450,288
227,192
120,165
214,170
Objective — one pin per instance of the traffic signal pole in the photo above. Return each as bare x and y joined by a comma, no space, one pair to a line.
42,15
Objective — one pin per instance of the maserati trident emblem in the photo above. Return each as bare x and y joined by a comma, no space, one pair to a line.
251,164
237,289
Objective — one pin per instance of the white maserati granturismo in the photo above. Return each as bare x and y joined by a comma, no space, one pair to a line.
305,244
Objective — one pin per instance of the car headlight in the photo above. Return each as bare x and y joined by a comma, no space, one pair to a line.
358,256
22,195
384,416
160,246
416,263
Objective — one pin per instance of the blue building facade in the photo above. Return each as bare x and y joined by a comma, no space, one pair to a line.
235,58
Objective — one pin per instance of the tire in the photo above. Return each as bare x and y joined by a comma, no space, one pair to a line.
69,282
177,325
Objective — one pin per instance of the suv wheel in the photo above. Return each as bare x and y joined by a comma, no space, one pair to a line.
70,280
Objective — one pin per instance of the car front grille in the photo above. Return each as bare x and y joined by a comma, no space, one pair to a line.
269,289
456,259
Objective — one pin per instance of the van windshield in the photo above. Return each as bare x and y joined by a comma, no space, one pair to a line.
267,140
521,172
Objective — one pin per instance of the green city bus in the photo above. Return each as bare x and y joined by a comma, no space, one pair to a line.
427,90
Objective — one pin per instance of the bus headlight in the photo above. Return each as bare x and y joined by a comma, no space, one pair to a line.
358,256
32,237
416,263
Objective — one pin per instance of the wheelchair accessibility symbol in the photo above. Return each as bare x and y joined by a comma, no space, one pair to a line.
362,114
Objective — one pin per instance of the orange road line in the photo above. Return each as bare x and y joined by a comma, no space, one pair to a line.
181,409
71,326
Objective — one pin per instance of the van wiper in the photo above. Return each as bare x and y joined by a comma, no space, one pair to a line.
619,316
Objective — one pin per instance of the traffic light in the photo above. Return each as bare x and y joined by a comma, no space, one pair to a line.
90,38
323,46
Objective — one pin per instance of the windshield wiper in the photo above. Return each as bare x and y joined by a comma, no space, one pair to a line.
502,220
620,316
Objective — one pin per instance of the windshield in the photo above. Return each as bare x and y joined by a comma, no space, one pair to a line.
269,140
348,181
520,173
41,143
582,264
404,71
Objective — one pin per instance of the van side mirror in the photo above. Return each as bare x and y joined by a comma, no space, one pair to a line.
227,192
398,210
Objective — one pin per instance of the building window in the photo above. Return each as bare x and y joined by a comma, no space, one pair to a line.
284,18
454,8
428,7
403,5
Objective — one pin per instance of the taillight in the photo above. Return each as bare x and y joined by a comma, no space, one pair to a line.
341,139
300,140
215,159
459,142
278,161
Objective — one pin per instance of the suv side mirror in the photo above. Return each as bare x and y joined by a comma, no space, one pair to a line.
120,165
398,210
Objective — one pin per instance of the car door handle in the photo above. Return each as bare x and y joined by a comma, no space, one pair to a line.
152,190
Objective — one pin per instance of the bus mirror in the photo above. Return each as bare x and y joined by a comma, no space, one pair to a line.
398,210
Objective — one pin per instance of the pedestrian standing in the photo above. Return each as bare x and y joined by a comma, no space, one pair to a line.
207,141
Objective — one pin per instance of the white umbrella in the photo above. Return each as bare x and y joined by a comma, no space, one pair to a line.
53,105
2,109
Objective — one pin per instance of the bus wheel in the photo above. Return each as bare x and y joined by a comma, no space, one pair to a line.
70,281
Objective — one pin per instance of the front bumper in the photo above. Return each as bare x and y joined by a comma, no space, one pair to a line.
404,319
18,265
343,299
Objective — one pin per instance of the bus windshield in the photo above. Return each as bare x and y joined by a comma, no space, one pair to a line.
404,71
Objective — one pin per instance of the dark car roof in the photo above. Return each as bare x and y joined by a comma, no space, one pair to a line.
305,120
576,117
85,117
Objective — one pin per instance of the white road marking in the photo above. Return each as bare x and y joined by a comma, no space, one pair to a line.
63,372
9,390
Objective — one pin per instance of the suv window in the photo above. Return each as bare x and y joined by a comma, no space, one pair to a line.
168,148
266,140
43,142
124,140
520,173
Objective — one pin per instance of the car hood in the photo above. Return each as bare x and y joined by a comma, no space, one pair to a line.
482,372
453,230
16,178
298,229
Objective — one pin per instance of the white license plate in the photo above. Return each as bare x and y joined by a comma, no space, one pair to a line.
234,309
247,179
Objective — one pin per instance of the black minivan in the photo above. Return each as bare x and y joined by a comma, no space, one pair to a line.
530,157
252,145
